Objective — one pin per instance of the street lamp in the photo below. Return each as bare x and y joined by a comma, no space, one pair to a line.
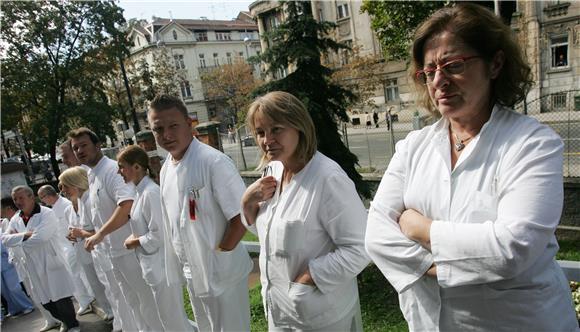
247,41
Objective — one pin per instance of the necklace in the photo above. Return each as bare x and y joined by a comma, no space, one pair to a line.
459,143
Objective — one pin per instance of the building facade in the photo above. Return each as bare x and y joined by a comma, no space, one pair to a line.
195,46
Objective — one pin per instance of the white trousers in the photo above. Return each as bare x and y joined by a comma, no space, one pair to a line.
352,322
98,288
81,292
169,301
137,293
228,312
124,319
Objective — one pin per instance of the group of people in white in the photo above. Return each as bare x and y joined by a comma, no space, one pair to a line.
462,224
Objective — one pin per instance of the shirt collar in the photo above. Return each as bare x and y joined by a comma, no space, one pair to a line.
143,184
35,210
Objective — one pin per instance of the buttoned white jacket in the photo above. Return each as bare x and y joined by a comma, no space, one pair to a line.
318,222
44,259
220,190
492,238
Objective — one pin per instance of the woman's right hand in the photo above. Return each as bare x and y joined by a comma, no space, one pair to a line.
259,191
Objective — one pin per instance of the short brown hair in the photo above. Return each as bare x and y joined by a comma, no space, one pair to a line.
166,102
134,154
484,32
282,107
76,133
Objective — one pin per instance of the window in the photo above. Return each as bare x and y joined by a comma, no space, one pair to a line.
174,35
229,57
216,60
320,15
185,89
342,11
202,60
241,54
179,63
138,41
223,35
559,47
559,100
391,90
201,36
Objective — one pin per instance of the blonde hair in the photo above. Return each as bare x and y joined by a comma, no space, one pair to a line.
75,177
283,108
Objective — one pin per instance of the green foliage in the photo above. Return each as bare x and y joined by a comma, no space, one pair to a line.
395,22
164,73
569,250
299,42
55,55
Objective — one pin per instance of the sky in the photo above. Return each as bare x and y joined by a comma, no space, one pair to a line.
191,9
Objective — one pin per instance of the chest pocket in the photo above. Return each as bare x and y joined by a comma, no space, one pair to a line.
290,237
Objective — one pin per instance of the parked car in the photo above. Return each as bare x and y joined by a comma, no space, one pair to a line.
248,140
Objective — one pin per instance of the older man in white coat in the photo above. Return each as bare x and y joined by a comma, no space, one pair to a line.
34,229
82,291
111,201
201,192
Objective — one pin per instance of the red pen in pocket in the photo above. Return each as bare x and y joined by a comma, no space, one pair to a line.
193,195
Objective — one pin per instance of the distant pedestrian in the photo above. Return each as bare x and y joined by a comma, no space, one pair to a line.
389,119
368,120
376,119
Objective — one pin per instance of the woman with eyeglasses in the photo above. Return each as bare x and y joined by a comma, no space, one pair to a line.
309,220
463,222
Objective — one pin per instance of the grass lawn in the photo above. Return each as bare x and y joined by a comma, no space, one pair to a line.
569,250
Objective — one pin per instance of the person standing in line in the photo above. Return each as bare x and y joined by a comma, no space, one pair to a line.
148,240
111,200
35,230
310,222
200,193
58,204
463,222
17,258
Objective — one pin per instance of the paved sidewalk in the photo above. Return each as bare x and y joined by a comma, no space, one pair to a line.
33,322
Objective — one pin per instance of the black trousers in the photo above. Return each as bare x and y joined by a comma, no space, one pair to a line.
63,310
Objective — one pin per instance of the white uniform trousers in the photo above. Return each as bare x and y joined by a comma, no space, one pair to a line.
228,312
98,289
352,322
137,293
124,319
169,301
81,293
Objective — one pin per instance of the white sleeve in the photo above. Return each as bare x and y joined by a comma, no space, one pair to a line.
400,259
153,239
530,196
44,231
227,186
343,216
120,191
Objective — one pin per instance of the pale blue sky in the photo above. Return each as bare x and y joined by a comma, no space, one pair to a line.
191,9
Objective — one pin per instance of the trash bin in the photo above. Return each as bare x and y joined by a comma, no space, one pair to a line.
208,133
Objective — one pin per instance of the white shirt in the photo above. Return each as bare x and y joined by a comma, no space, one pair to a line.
44,259
59,208
317,222
107,191
101,254
220,188
147,224
73,219
492,238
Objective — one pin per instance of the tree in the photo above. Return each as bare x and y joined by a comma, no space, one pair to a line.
165,77
55,54
299,42
395,22
234,83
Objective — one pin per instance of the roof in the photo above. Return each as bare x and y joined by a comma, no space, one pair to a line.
208,24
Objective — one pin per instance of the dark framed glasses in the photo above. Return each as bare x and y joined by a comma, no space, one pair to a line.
453,66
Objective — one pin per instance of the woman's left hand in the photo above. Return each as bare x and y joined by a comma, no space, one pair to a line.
416,227
305,278
131,242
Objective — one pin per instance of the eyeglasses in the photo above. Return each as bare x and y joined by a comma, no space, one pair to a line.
453,66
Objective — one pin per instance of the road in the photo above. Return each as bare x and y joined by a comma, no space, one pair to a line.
378,142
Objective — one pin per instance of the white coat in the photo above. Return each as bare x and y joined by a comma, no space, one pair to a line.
147,224
317,222
492,238
45,262
220,190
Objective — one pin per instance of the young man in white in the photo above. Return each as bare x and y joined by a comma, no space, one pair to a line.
34,229
111,200
58,204
201,192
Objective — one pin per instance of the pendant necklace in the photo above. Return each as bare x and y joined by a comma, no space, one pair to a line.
460,143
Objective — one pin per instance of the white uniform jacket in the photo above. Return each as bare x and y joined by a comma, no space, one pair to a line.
147,224
318,222
73,219
44,259
59,208
492,238
101,254
219,188
107,191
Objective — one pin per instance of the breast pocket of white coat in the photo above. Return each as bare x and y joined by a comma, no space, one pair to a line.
290,237
483,208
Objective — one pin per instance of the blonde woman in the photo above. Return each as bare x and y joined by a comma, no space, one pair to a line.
147,238
309,220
